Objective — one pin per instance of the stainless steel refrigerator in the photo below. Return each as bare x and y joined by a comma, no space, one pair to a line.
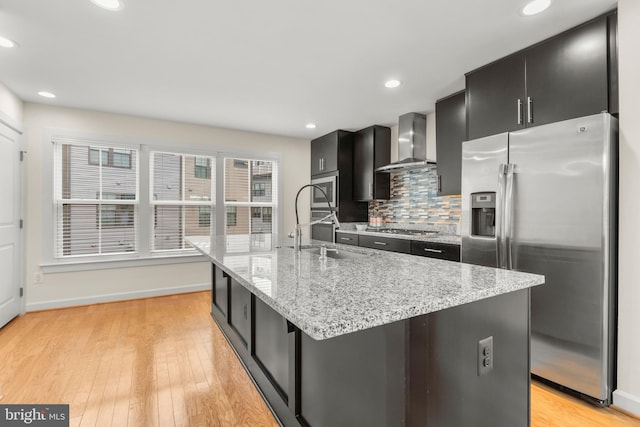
543,200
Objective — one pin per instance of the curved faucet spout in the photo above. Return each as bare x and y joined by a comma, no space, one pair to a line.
298,231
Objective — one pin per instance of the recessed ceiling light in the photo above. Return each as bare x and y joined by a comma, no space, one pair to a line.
536,6
310,125
108,4
392,83
45,94
5,42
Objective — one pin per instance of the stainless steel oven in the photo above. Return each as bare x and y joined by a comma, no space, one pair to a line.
329,186
324,231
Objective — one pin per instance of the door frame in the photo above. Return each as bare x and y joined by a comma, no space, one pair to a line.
14,125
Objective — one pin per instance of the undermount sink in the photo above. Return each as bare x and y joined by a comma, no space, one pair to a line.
334,254
331,253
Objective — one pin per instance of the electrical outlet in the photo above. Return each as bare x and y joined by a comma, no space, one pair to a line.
485,356
37,277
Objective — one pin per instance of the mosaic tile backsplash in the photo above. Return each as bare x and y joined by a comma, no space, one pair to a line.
414,200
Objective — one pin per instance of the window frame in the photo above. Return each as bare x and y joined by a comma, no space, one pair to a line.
143,256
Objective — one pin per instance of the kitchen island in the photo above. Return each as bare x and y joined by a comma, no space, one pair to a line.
371,338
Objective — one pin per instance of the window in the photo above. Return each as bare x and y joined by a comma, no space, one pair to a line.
110,157
249,191
232,216
202,168
204,217
182,201
104,210
258,189
115,215
96,205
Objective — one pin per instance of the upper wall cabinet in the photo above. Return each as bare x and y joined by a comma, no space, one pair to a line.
326,150
451,130
371,149
567,76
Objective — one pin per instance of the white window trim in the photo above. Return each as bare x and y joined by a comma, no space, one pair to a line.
143,256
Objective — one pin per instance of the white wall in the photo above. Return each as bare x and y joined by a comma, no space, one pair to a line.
10,105
627,395
71,288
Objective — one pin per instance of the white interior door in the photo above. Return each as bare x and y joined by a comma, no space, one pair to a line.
10,252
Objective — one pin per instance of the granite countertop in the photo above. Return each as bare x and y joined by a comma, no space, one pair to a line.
364,289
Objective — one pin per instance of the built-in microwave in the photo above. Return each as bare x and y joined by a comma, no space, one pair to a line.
329,185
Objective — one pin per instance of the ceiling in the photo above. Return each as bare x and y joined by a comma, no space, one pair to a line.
265,66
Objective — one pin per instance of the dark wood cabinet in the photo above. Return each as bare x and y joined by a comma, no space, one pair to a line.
495,95
567,76
271,346
327,149
347,238
385,243
240,305
371,149
332,155
438,250
451,130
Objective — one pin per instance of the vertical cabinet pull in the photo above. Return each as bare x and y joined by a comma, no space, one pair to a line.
371,190
439,183
529,110
320,164
519,105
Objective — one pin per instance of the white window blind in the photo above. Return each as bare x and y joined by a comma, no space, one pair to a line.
249,195
182,199
96,199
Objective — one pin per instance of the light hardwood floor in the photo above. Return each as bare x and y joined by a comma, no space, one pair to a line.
163,362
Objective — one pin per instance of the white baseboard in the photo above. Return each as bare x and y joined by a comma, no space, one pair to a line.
72,302
627,401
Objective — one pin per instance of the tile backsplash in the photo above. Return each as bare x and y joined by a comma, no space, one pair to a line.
414,200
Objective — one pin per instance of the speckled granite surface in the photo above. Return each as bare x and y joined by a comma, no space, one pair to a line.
367,288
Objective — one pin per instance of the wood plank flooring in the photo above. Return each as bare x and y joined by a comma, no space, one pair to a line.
163,362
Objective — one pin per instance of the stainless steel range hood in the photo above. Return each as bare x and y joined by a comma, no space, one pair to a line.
412,144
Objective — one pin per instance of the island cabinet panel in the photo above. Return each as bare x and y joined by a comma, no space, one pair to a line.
271,346
354,380
456,394
221,290
239,314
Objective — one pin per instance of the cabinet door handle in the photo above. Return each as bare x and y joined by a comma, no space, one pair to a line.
345,238
323,163
437,251
380,243
529,110
371,190
320,164
519,103
439,183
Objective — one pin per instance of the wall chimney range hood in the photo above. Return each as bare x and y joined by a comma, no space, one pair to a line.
412,145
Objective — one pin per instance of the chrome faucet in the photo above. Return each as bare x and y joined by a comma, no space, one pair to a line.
297,243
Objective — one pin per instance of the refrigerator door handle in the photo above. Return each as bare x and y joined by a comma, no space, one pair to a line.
508,216
499,227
